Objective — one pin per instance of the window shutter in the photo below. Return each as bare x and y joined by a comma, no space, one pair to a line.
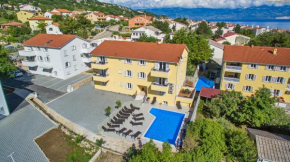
276,67
252,88
107,72
99,71
126,73
139,75
264,77
233,87
272,91
272,79
167,66
284,80
106,59
166,81
226,86
257,66
255,76
280,93
266,67
125,61
287,68
156,65
247,76
156,80
249,66
127,85
244,88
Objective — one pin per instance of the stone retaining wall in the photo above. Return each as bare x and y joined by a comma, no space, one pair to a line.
82,82
117,145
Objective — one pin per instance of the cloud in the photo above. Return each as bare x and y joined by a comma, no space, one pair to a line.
191,3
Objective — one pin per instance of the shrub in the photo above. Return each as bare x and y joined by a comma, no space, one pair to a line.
78,139
108,110
119,103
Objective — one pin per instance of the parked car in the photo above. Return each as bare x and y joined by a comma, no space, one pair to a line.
17,73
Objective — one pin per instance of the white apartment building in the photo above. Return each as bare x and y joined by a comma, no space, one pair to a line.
53,29
218,51
150,31
177,25
3,104
259,30
60,56
28,7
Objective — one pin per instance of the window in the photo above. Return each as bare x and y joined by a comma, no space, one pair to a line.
65,53
270,67
276,92
45,49
73,47
280,80
74,57
128,73
50,29
267,78
103,83
165,103
230,86
40,58
248,89
84,45
75,67
129,86
120,71
253,66
141,62
68,73
120,84
67,64
128,61
142,75
55,73
282,68
38,49
250,76
47,59
160,93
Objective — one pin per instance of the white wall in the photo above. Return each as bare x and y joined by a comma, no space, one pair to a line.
58,60
47,14
3,104
30,8
218,53
52,29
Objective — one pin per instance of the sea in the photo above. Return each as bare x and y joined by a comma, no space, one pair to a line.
273,23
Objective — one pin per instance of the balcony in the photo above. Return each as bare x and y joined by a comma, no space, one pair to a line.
100,65
162,73
28,53
231,79
233,68
87,50
86,58
29,63
101,77
186,95
159,87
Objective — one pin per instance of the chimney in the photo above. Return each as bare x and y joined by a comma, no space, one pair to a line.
275,51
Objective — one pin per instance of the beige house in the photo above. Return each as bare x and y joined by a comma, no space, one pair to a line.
34,21
24,16
96,16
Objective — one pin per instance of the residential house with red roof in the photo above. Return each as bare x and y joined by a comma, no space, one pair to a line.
96,16
234,38
246,69
6,26
36,20
49,14
28,7
63,12
61,56
53,29
140,20
141,69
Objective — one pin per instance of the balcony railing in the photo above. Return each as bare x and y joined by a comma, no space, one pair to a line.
157,84
101,63
27,53
236,68
100,75
161,70
231,79
29,63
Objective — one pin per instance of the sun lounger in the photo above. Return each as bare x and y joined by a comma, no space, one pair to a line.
121,130
123,113
122,117
127,133
117,121
136,115
153,101
113,125
128,110
136,134
137,119
108,129
136,123
178,105
133,107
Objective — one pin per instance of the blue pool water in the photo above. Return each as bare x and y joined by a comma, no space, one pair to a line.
166,125
204,82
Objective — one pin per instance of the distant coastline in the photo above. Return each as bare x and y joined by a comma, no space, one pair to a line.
272,23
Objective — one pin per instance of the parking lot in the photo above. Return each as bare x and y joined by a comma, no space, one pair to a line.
51,82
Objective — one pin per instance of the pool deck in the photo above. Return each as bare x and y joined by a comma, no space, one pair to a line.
149,118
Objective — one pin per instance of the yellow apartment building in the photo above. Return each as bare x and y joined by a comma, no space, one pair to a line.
95,16
156,70
246,69
24,16
34,21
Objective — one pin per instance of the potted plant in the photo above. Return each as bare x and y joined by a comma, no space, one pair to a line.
118,103
108,110
148,98
187,91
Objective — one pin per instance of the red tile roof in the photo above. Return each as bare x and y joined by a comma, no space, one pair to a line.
209,92
13,23
54,13
141,50
39,18
55,24
219,39
228,34
260,55
63,10
214,43
49,40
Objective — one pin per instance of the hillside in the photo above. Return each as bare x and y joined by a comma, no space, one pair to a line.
251,13
91,5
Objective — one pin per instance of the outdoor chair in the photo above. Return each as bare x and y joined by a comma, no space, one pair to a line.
113,125
117,121
127,133
123,113
133,107
178,105
121,117
153,101
128,110
121,130
108,129
136,134
136,115
137,119
136,123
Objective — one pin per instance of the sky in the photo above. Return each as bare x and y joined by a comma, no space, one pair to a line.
193,3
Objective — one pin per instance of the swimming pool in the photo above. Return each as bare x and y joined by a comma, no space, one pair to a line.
166,125
204,82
